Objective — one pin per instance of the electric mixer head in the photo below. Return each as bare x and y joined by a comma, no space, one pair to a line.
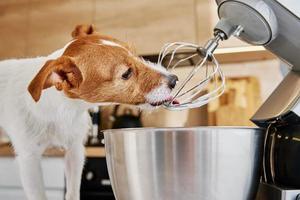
205,82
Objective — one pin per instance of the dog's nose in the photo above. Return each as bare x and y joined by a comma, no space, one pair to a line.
172,79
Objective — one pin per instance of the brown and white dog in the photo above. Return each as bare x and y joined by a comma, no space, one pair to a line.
44,100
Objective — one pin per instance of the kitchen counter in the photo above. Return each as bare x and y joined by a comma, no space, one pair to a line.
6,150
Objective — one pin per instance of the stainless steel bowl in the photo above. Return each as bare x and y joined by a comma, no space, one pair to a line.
201,163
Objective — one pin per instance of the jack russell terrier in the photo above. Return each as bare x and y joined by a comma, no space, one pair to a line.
44,100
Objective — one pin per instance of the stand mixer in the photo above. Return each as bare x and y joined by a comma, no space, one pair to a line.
213,163
275,24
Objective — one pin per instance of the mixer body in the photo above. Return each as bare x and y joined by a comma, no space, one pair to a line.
272,23
275,24
211,163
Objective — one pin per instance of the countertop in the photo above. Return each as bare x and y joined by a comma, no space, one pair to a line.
6,150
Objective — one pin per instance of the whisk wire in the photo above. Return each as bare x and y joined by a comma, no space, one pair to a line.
199,87
195,96
189,77
167,48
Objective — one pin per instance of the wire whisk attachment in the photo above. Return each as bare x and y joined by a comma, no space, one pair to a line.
203,83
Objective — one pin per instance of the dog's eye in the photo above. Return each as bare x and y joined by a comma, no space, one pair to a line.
127,74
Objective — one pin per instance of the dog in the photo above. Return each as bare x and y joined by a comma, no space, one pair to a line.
44,100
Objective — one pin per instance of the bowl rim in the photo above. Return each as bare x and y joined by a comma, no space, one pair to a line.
108,131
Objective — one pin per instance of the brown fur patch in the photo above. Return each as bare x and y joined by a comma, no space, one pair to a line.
67,77
83,30
99,69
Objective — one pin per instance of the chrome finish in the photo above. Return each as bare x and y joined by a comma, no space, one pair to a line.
283,100
276,25
187,94
266,153
212,44
197,95
201,163
255,16
272,23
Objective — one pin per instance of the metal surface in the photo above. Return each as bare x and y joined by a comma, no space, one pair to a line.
256,17
272,192
201,163
276,25
286,44
204,72
292,5
284,25
282,101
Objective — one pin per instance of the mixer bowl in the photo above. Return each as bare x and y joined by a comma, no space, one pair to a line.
201,163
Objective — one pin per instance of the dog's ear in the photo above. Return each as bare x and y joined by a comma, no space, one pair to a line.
83,30
61,73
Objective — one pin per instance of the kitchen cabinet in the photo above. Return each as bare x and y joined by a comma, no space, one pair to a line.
34,28
50,23
13,29
53,173
147,24
44,26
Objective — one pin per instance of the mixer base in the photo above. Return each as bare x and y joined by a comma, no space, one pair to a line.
271,192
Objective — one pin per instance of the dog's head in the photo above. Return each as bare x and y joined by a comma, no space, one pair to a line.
99,69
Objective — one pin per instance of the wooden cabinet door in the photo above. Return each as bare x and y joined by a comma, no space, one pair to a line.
13,22
147,24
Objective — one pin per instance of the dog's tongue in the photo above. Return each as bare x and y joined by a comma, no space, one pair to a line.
175,102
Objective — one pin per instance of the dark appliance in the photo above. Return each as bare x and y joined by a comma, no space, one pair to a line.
95,184
126,120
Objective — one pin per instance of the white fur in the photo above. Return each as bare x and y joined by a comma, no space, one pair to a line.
157,67
53,121
110,43
158,94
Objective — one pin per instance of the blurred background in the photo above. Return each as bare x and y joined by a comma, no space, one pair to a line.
32,28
